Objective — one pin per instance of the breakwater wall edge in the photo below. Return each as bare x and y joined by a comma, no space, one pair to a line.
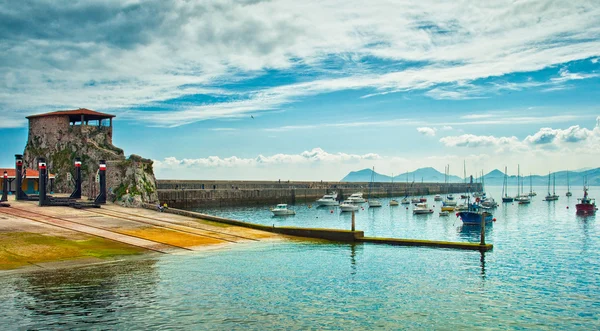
200,193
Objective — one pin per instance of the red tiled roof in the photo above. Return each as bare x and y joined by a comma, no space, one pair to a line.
30,173
75,112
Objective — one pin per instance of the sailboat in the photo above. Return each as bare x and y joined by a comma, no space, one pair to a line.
422,198
406,200
505,197
449,200
372,203
553,196
523,199
393,202
568,186
531,192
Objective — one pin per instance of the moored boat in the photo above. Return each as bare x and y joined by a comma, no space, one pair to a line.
328,200
444,213
474,215
346,206
422,208
282,210
394,202
437,197
356,198
505,197
586,205
405,201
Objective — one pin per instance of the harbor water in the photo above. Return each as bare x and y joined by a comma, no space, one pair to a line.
543,274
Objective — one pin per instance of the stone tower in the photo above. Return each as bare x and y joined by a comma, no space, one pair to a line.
61,136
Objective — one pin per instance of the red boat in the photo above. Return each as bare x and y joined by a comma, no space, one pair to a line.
586,205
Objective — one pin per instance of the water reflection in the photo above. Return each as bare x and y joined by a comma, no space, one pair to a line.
84,296
584,222
472,233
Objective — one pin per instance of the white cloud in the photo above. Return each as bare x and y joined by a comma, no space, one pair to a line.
548,135
427,131
139,55
316,155
469,140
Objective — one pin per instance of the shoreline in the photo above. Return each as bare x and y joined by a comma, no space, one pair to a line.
46,238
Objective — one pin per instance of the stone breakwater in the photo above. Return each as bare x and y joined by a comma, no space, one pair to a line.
210,193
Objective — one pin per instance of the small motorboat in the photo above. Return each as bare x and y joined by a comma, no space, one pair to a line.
405,201
422,208
450,197
437,197
444,213
282,210
394,202
374,203
356,198
347,206
415,200
328,200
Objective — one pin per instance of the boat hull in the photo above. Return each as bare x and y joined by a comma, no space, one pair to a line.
327,202
585,208
374,203
348,207
474,218
508,199
283,212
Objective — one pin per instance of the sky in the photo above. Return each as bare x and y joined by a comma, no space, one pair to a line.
310,90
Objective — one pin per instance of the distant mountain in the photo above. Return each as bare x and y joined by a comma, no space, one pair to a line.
496,178
365,176
493,178
427,174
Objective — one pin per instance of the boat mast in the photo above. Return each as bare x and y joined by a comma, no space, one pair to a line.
519,180
504,193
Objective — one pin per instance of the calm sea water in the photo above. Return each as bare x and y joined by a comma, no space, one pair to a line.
544,273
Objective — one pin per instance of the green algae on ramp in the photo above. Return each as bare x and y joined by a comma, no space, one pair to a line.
18,249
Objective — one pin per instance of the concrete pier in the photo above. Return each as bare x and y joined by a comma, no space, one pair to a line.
205,193
335,234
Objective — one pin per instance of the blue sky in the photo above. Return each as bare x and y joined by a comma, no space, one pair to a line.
311,90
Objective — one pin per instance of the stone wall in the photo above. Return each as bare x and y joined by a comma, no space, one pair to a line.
189,194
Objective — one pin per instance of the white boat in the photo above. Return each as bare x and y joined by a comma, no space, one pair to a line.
405,201
374,203
348,206
394,202
422,208
523,199
356,198
450,197
553,196
437,197
449,203
282,210
415,200
328,200
444,213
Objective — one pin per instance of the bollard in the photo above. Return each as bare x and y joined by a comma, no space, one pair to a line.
5,188
42,181
101,198
20,195
77,192
483,215
353,221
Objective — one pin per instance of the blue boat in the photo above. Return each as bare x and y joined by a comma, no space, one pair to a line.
474,215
